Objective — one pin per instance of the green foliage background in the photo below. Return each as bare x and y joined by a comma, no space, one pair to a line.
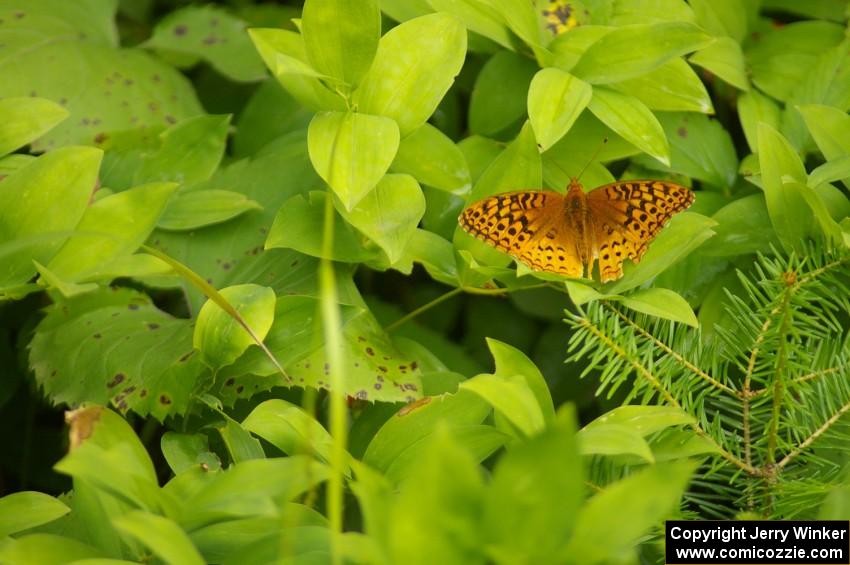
229,242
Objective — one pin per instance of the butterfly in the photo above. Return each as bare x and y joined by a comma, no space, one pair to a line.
567,233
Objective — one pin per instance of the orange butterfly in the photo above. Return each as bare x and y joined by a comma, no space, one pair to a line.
567,233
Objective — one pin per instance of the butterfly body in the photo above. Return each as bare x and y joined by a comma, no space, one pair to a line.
568,233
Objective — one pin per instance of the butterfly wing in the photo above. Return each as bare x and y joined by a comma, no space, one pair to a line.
528,225
626,216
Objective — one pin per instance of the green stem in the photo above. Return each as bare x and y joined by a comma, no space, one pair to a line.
410,315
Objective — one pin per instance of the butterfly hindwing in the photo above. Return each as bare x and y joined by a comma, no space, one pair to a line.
528,225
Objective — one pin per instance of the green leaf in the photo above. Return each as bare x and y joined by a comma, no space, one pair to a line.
213,35
782,174
162,535
721,17
520,17
674,86
511,361
187,451
36,549
830,127
189,210
643,420
632,120
830,171
633,50
289,428
241,445
219,337
581,293
300,219
351,152
478,17
429,155
499,96
743,227
407,429
829,227
341,36
111,228
699,148
64,179
511,397
21,511
555,100
725,59
389,214
283,52
625,12
68,54
519,502
614,439
26,119
662,303
115,345
610,524
753,109
686,232
413,69
269,113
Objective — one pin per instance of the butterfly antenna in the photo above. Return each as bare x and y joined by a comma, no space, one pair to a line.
592,158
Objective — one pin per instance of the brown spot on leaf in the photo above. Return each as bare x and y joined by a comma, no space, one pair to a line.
370,351
164,399
152,326
180,30
239,389
116,380
414,405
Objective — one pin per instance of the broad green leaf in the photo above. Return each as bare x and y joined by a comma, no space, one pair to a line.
389,214
829,227
21,511
555,100
289,428
499,96
614,439
351,152
403,10
662,303
725,59
830,127
519,503
435,517
511,397
67,53
37,549
284,54
252,488
700,148
743,227
568,47
753,109
643,420
478,16
434,159
511,361
115,346
241,445
186,451
782,175
107,454
213,35
633,50
521,18
721,17
219,337
686,232
269,113
834,10
581,293
111,228
783,56
162,535
413,69
435,254
341,36
625,12
189,210
614,520
300,222
23,120
830,171
49,194
676,444
632,120
415,422
674,86
189,151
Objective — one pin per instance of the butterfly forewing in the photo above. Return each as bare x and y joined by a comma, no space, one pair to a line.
528,225
628,215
